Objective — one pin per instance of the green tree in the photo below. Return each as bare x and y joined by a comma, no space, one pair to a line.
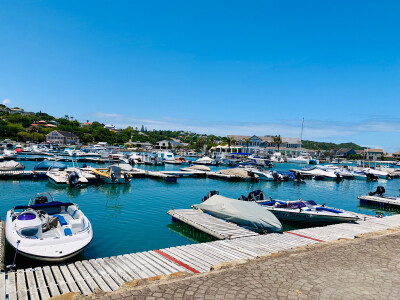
277,140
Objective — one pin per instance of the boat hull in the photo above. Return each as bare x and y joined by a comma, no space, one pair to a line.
305,218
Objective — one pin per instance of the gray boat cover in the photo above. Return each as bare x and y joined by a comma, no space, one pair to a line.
244,213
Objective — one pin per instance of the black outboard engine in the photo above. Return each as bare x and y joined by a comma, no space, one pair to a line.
371,177
338,177
113,177
255,195
297,175
209,195
126,177
84,165
73,179
380,190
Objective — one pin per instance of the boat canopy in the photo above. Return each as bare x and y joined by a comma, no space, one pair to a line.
46,164
244,213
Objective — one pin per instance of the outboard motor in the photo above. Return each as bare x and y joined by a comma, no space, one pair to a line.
113,177
380,190
84,165
371,177
126,177
73,179
209,195
276,176
255,195
338,177
297,175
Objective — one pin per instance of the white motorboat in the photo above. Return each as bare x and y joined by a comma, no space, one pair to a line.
166,157
9,153
112,174
262,174
48,230
277,157
11,165
303,158
69,176
205,161
135,159
299,211
378,173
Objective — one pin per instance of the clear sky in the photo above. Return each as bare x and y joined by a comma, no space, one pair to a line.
221,67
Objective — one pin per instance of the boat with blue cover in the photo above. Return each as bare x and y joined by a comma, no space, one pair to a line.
301,211
48,230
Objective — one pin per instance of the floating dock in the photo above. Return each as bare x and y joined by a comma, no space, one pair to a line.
107,274
2,247
22,174
215,227
381,202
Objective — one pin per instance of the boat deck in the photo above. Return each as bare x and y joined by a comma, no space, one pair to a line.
108,274
215,227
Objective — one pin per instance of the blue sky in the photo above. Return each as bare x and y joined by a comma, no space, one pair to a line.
221,67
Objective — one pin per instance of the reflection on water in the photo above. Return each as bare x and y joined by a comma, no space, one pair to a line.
192,234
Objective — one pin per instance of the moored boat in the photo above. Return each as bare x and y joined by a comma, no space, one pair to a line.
300,211
11,166
245,214
112,174
48,230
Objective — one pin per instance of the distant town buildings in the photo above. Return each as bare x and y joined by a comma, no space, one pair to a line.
62,138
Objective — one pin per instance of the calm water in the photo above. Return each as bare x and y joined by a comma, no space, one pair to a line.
132,218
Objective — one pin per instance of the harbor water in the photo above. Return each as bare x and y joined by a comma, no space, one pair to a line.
133,218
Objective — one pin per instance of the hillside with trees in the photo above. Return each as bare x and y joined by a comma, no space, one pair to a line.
312,145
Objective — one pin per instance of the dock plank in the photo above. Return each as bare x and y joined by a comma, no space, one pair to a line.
100,263
101,283
60,280
78,279
12,286
32,287
2,286
43,291
22,291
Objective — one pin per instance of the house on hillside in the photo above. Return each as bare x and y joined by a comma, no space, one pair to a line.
373,154
345,152
62,138
396,155
165,143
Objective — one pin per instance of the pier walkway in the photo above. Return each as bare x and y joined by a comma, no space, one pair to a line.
108,274
215,227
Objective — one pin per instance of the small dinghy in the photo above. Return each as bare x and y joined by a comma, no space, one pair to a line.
11,166
48,230
112,174
245,214
299,211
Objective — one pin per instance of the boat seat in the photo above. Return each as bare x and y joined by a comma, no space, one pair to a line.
67,231
61,219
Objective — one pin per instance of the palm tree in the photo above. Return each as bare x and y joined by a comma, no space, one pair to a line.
247,141
277,140
230,141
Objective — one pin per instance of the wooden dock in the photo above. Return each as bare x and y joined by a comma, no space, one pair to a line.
23,174
2,246
215,227
107,274
381,202
160,175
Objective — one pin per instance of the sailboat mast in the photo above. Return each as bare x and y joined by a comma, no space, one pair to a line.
301,136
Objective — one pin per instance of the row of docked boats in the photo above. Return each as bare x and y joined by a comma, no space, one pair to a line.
334,172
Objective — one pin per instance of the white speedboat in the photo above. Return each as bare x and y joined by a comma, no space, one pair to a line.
262,174
48,230
303,158
112,174
205,161
9,153
378,173
68,176
299,211
277,157
11,166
